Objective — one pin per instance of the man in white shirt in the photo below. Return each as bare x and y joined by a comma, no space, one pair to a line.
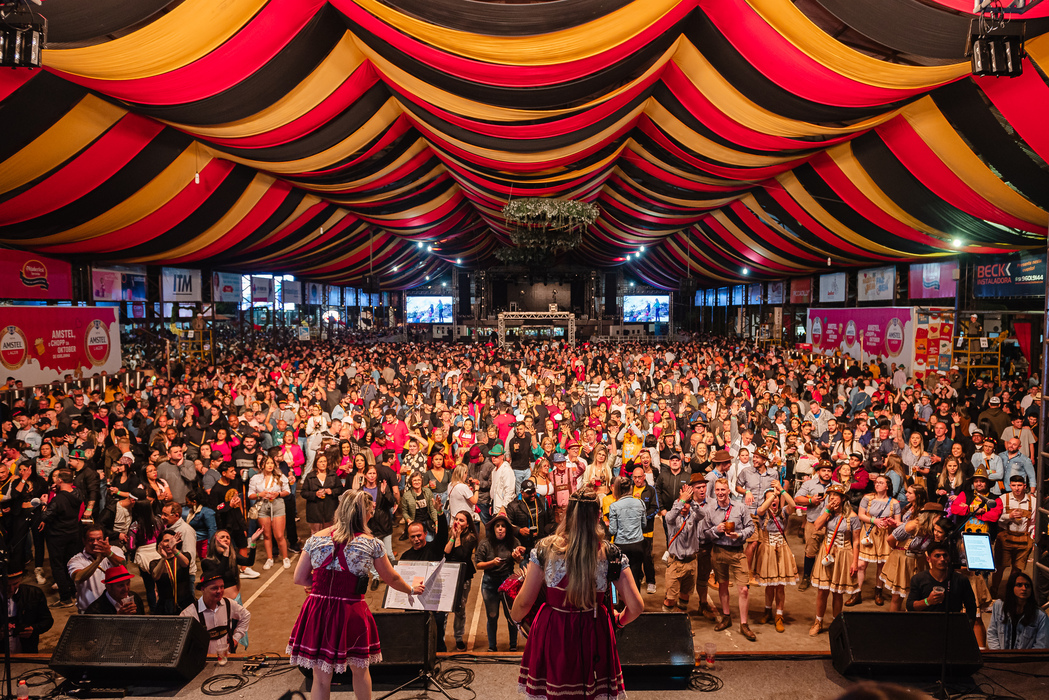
225,620
504,485
88,568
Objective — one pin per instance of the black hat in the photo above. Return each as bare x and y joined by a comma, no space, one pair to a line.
528,486
209,571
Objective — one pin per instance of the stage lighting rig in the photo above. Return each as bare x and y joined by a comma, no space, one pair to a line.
996,46
23,34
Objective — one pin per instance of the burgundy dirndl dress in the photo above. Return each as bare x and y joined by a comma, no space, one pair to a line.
571,654
335,628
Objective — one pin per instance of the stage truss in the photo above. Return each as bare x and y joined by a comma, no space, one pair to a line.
537,316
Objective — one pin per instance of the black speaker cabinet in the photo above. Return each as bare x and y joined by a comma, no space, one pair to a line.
903,644
409,645
657,646
123,650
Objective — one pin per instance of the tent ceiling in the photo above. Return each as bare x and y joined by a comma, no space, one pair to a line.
324,139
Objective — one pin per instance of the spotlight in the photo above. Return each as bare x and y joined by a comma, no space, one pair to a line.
419,244
443,284
997,51
427,278
631,284
429,248
458,261
395,268
957,243
746,271
23,34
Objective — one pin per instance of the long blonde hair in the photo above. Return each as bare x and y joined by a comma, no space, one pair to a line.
458,476
351,517
580,540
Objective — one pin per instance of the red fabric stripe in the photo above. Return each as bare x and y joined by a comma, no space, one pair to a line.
1024,101
89,169
399,127
171,213
771,238
244,53
359,82
784,64
923,162
653,169
295,227
511,76
13,78
816,228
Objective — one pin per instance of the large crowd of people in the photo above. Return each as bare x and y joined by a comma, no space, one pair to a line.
475,453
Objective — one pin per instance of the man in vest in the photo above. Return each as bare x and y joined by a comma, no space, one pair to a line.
225,620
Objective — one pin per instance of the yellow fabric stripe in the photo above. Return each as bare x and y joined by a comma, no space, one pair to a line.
312,91
934,129
721,93
704,146
76,130
405,214
572,44
551,176
696,260
307,203
750,242
799,30
153,195
702,200
795,189
751,202
255,190
418,181
189,32
353,143
481,111
685,174
304,241
348,187
845,159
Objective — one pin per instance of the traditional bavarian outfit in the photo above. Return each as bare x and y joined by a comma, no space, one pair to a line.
905,560
335,628
831,572
1015,536
874,541
563,482
571,654
774,563
227,623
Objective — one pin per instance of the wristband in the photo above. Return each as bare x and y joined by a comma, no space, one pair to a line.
827,511
925,601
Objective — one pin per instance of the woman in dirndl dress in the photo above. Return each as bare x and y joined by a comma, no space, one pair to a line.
879,516
774,565
571,652
835,572
335,629
908,542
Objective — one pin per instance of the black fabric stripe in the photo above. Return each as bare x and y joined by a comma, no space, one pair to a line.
520,145
827,198
905,25
673,105
569,171
791,226
406,178
210,211
790,258
706,37
373,164
288,237
34,108
279,76
663,188
342,126
963,105
291,200
425,192
560,96
536,17
136,173
666,156
911,195
80,20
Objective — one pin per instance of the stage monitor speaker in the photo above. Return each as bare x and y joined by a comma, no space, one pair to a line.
123,650
611,289
657,647
858,644
409,645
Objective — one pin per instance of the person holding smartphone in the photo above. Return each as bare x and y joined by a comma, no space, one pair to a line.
497,555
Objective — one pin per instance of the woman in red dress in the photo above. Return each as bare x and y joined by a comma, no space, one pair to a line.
571,652
335,629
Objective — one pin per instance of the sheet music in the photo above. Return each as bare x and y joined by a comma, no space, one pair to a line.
441,581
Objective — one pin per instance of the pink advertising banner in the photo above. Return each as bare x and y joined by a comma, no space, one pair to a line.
31,276
886,333
933,280
40,344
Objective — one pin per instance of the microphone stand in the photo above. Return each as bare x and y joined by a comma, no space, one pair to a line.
5,621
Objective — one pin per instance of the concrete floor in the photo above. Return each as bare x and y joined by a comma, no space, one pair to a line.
275,602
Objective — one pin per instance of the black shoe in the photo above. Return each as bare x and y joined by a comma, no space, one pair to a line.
492,649
513,647
63,603
460,645
375,584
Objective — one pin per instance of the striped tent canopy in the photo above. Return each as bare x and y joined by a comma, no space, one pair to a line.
325,138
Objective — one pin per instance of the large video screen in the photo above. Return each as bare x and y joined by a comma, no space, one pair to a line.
646,308
429,309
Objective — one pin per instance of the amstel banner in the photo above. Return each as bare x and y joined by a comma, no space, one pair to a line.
39,344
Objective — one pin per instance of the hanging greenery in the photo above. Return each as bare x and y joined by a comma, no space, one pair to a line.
542,228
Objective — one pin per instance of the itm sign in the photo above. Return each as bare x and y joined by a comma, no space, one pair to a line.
178,284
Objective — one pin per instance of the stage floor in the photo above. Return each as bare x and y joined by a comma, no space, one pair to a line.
756,677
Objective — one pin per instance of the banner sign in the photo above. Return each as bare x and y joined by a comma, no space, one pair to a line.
41,344
886,333
723,296
832,288
775,293
777,322
933,280
738,295
1010,276
261,290
754,294
349,296
314,292
877,284
107,285
225,287
177,284
290,292
801,290
711,297
31,276
932,341
334,296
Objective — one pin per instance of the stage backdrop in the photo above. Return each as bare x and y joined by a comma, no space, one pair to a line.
40,344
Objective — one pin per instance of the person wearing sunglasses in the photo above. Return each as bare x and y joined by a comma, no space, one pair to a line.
1016,620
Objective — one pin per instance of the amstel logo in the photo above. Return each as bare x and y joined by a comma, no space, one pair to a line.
96,342
14,348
